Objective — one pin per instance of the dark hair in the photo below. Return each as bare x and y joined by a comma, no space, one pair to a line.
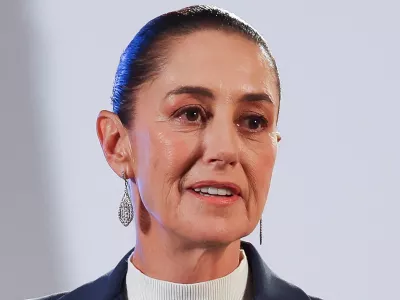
146,53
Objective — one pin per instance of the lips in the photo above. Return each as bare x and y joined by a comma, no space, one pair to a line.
209,190
214,188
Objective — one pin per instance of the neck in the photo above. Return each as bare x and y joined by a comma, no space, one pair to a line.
162,256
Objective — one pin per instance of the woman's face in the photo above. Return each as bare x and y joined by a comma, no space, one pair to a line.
206,126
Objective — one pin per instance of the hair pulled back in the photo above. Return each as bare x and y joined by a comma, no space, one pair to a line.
145,55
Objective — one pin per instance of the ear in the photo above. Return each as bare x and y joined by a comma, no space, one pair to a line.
115,142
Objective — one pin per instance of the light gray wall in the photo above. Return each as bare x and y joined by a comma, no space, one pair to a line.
331,223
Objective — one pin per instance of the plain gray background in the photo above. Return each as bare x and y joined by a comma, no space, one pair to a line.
331,222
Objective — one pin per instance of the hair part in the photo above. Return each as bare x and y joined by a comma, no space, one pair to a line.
146,54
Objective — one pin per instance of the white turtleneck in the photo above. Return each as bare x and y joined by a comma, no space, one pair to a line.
234,286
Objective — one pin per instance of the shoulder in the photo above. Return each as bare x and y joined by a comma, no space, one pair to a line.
266,284
282,289
51,297
92,290
108,286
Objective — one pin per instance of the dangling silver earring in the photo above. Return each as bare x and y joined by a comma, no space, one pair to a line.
125,212
260,231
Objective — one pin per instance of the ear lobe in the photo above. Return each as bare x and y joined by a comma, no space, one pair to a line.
278,136
114,140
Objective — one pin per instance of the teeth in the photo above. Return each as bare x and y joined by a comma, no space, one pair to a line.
214,191
221,192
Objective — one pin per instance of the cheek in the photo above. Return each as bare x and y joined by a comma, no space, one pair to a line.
163,157
173,151
263,163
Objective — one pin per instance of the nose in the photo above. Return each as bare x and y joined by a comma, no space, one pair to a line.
221,144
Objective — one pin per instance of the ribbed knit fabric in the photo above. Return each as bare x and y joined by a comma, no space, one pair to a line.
234,286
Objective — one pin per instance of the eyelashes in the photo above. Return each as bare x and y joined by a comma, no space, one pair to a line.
196,115
253,123
191,114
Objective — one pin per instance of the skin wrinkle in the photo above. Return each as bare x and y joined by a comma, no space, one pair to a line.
192,240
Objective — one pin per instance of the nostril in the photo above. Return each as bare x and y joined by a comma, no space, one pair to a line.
220,155
222,162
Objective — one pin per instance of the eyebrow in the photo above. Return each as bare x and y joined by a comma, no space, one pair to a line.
207,93
192,90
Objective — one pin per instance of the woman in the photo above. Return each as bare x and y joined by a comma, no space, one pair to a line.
193,134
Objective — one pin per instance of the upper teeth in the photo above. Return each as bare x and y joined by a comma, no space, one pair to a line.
214,191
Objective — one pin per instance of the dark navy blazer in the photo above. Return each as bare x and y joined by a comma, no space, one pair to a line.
112,286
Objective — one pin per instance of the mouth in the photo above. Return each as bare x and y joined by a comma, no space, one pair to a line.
213,191
216,192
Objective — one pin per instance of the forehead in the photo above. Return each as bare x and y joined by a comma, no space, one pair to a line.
219,60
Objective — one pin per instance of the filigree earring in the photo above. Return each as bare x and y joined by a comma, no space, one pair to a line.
125,212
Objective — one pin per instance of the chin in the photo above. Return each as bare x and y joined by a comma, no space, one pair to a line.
215,233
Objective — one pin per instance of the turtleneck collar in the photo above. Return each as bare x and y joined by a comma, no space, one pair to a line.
234,286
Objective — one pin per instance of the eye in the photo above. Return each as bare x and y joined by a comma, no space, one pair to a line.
253,123
191,114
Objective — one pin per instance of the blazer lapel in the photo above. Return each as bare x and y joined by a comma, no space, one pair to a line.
116,280
260,275
266,285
